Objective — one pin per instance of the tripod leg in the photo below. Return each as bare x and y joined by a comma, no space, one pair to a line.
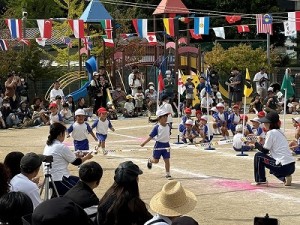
54,187
42,187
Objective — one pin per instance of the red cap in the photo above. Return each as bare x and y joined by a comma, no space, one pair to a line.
188,111
235,107
101,110
198,112
242,116
52,105
261,114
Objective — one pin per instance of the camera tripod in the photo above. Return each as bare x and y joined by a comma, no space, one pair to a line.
46,183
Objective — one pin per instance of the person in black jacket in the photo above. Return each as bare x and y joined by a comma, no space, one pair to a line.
121,204
82,193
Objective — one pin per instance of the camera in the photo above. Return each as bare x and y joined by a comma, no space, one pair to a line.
48,159
24,14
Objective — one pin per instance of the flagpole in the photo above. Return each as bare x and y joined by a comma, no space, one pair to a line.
243,131
207,109
178,113
284,110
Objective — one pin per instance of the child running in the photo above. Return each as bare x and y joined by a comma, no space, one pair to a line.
80,131
162,133
102,125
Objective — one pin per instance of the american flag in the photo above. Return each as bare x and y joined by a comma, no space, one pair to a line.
262,26
67,41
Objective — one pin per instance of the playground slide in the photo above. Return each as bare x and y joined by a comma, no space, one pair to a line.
91,66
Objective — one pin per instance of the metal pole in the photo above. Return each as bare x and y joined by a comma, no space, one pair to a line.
268,52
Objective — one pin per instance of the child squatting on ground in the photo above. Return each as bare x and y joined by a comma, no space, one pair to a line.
80,131
295,144
238,143
102,125
162,146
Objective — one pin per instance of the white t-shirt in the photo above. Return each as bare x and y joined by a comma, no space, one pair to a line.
161,133
102,126
129,106
80,132
23,184
54,93
204,102
159,217
257,77
62,156
278,146
237,142
130,79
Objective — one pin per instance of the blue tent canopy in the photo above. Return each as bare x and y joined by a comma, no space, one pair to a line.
95,12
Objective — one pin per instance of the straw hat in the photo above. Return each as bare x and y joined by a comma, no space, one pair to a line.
173,200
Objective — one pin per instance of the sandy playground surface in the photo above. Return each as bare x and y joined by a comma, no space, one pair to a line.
220,179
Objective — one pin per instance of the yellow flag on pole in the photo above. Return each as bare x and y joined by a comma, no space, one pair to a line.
248,85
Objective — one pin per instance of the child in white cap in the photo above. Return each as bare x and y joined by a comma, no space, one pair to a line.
189,133
221,121
80,131
205,131
238,143
161,133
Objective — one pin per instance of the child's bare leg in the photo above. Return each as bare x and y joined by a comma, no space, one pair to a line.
103,144
154,160
167,165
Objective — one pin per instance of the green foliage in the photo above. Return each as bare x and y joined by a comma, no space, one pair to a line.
242,56
11,56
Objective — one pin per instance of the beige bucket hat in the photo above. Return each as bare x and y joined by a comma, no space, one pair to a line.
173,200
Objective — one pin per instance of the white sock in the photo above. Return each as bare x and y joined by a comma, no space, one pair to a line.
215,131
168,173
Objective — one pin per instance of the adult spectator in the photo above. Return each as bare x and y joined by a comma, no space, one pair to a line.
22,90
261,80
71,103
171,202
230,89
12,162
151,100
60,211
10,89
30,165
237,84
62,157
169,84
255,105
271,101
189,92
82,193
150,84
103,90
56,91
119,98
131,76
121,204
104,74
9,116
95,91
200,86
135,82
214,81
184,220
13,206
4,179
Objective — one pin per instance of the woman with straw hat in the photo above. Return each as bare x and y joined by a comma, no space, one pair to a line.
171,202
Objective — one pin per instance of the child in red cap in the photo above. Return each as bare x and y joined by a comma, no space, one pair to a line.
55,116
188,113
102,125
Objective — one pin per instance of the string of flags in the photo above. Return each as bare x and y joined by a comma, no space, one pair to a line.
201,27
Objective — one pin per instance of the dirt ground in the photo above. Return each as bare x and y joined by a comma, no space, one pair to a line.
220,179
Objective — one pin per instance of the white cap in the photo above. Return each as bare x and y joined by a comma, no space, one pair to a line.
279,94
297,119
189,122
255,119
214,109
168,72
150,83
219,96
189,77
204,117
80,112
151,88
219,105
95,73
108,103
161,112
239,128
270,89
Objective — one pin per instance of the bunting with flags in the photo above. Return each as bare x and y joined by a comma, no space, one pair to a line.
109,42
107,25
219,32
87,43
171,26
45,28
41,41
264,24
15,28
3,45
67,41
195,36
141,27
233,19
77,27
243,28
201,25
151,38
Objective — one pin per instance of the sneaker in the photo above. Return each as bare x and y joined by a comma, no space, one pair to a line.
263,183
169,177
149,164
288,180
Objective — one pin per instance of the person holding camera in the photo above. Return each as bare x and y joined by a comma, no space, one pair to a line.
62,157
30,165
261,79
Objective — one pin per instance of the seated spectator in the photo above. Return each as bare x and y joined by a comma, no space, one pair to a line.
81,105
184,220
271,102
2,123
291,106
13,206
171,202
71,103
55,116
112,112
256,104
129,107
66,114
294,145
39,116
82,193
9,116
30,165
60,211
36,102
25,114
59,102
150,86
4,179
12,162
119,98
121,204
